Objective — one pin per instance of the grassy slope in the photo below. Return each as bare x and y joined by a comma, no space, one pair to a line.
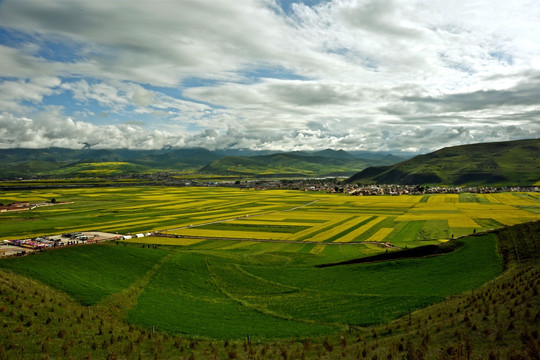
273,294
513,162
90,273
499,320
285,164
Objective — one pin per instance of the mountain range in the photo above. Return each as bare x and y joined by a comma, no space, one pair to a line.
498,163
69,163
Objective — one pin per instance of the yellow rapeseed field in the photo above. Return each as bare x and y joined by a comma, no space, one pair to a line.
380,235
362,229
324,216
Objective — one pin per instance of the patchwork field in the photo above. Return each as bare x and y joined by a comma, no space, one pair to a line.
239,262
222,213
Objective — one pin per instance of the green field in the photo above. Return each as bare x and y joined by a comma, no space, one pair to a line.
246,260
267,290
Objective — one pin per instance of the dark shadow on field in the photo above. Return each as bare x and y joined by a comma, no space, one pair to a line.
417,252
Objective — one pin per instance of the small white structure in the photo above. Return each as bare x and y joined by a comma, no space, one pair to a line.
126,237
139,235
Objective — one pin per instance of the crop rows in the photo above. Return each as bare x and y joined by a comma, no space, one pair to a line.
267,215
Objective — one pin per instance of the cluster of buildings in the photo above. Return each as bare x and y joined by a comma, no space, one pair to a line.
333,185
21,206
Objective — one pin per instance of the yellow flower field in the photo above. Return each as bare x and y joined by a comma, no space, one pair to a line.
380,235
280,214
362,229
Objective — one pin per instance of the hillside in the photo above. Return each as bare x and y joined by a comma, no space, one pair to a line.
319,164
500,163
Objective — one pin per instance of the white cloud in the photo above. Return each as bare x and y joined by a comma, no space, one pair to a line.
344,73
12,93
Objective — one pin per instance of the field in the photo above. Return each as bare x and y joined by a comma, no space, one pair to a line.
222,213
244,261
248,287
213,289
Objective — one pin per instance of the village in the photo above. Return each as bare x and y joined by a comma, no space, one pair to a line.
22,247
335,185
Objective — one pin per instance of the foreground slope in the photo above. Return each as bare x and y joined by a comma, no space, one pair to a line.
499,320
500,163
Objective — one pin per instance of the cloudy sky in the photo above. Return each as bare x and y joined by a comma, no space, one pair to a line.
381,75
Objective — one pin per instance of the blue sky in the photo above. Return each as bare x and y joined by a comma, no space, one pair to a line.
380,75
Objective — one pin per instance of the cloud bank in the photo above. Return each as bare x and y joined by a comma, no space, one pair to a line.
376,75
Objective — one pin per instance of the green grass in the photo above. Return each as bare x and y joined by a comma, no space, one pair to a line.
406,236
496,320
183,298
226,289
88,273
267,290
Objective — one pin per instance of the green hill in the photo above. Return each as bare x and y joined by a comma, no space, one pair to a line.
331,163
178,159
500,163
59,162
97,169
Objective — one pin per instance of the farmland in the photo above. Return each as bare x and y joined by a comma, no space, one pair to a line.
238,263
214,289
404,221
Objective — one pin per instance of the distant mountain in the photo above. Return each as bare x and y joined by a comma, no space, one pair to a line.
500,163
66,163
337,154
178,159
379,155
331,163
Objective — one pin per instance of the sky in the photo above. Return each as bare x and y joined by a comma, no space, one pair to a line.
375,75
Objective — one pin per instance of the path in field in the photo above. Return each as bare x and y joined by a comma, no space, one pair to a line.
241,217
126,299
264,309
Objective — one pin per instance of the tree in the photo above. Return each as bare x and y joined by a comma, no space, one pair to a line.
53,201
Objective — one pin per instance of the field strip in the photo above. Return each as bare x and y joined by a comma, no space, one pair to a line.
212,233
126,299
301,206
317,249
263,222
362,229
337,232
313,231
240,217
380,235
154,240
223,238
238,245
